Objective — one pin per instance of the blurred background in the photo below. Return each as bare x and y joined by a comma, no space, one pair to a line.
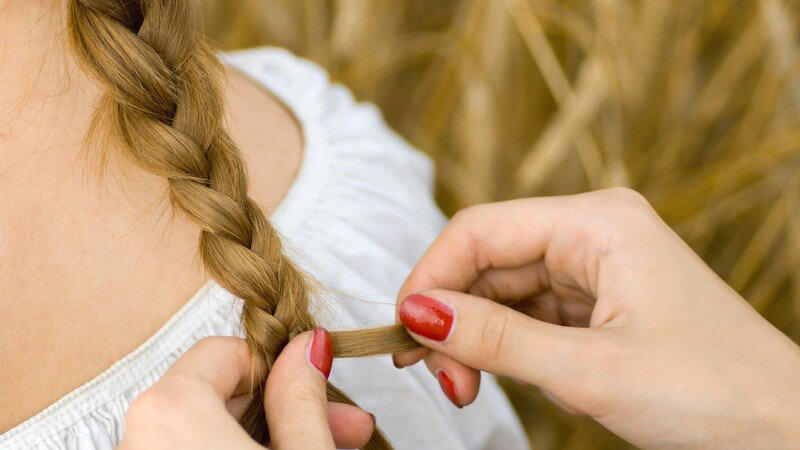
694,103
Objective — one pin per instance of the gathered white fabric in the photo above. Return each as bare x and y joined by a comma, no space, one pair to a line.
357,217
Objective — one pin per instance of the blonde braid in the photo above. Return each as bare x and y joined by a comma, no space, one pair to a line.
163,105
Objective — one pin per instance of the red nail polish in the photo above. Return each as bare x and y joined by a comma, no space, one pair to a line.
447,386
320,354
426,317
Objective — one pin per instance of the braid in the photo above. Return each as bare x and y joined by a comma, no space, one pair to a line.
163,103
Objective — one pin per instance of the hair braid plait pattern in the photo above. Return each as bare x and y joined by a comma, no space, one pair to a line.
163,108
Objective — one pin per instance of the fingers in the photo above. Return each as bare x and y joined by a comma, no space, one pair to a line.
409,357
512,285
222,362
351,426
298,413
476,240
295,397
193,395
458,382
570,236
488,336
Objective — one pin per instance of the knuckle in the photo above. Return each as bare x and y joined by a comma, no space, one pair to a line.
625,209
463,226
233,349
465,219
629,200
626,195
163,401
493,337
218,341
459,221
467,214
209,343
149,406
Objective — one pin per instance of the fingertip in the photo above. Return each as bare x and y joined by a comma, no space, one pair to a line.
447,386
458,382
300,363
470,386
351,426
408,358
319,353
295,399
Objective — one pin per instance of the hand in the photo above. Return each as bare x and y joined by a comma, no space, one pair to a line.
611,314
197,403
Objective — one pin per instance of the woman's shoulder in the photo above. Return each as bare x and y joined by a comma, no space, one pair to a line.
361,206
266,133
321,106
291,78
353,166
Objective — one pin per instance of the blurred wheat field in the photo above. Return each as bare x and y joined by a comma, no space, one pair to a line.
694,103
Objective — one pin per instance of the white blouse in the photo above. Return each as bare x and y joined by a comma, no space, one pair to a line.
357,217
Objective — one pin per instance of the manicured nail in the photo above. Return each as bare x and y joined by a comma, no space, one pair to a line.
427,317
320,353
447,386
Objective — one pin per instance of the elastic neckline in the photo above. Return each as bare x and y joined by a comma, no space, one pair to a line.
124,373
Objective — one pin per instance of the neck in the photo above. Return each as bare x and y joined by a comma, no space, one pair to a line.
45,99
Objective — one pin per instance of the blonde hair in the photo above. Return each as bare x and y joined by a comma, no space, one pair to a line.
162,107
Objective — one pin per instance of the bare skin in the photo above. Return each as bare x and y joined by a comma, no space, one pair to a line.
90,270
204,386
612,315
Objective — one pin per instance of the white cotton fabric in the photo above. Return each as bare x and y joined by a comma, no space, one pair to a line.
357,217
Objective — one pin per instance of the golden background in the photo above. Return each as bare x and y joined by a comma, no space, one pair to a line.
694,103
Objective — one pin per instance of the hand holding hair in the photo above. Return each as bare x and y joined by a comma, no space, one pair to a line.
198,402
595,300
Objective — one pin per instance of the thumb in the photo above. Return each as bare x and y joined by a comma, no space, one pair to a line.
295,398
488,336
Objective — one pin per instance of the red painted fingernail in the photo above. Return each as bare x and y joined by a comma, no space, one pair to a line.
320,353
447,386
427,317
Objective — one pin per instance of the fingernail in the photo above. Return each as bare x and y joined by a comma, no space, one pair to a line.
447,385
374,420
320,353
427,317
